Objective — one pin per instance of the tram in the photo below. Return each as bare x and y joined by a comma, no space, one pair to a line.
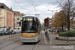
30,29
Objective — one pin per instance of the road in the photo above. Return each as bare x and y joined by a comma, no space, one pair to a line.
14,43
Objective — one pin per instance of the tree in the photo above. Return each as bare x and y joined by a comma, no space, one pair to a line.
68,8
60,19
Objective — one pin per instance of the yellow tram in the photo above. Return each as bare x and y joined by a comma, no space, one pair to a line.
30,29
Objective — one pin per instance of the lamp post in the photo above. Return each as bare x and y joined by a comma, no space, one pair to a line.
52,18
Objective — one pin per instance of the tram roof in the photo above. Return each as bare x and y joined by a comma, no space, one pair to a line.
29,16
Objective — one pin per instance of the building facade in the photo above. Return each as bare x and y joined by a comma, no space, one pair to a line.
18,18
6,17
48,22
10,19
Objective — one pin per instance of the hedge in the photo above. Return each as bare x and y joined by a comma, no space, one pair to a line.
67,33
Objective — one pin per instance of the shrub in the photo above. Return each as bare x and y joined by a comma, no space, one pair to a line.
67,33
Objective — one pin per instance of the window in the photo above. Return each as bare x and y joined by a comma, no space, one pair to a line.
10,15
17,22
17,18
7,22
2,7
74,19
50,23
7,15
50,20
0,12
10,23
29,27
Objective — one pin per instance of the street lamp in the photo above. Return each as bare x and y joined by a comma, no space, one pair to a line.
52,18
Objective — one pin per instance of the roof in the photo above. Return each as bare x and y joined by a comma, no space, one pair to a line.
17,13
3,6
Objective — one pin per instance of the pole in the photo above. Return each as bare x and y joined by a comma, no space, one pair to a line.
52,22
67,38
52,19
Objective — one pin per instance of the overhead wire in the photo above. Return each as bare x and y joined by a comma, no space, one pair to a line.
32,5
59,3
19,4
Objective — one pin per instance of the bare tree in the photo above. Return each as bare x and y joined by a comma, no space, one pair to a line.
69,8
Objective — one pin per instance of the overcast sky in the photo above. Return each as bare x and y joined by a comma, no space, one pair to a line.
41,7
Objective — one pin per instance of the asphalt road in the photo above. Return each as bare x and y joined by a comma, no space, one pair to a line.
14,43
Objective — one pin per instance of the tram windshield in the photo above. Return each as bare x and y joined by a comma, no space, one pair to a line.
29,27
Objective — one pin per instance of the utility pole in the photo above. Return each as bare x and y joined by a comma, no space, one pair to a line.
52,18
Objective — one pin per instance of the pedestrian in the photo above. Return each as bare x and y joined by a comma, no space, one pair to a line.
46,34
56,31
52,30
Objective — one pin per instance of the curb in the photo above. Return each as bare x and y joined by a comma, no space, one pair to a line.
65,38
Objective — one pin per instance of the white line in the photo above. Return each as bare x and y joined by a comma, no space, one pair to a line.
44,38
51,39
36,47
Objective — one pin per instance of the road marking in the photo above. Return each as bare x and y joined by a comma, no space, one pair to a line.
44,38
36,47
51,39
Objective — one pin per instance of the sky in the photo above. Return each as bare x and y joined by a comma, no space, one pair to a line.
32,7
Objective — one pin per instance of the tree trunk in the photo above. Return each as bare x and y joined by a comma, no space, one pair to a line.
62,27
68,24
68,16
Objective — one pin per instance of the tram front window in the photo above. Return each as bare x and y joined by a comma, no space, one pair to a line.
29,27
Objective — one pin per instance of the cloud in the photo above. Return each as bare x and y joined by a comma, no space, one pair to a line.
24,6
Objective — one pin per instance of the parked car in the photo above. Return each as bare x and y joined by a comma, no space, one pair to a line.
58,31
2,32
13,32
7,32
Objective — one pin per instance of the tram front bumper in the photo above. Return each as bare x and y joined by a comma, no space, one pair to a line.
35,39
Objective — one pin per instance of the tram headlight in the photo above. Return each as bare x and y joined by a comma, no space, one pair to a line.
36,33
21,34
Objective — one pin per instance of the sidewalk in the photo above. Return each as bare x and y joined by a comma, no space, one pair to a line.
55,47
54,41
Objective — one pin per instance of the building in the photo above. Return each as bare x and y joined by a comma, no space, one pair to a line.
72,23
18,18
6,17
48,22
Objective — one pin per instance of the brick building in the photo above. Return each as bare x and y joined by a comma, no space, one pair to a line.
48,22
6,17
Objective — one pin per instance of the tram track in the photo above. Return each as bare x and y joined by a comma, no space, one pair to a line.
10,43
16,47
34,46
